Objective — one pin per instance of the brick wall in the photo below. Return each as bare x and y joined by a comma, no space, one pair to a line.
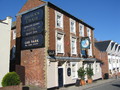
31,60
102,56
66,30
17,87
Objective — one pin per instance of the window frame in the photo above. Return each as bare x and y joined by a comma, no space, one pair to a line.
14,34
60,14
76,68
62,37
75,40
81,31
74,31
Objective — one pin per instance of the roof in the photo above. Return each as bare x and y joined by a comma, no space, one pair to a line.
119,48
116,46
112,44
102,45
63,11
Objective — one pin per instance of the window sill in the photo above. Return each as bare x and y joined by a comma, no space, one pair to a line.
59,27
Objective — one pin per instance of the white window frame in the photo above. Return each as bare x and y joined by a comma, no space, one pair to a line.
60,35
89,32
60,14
74,71
75,40
14,34
74,30
90,53
81,31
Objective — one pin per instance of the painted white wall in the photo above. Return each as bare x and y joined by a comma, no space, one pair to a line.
98,71
5,29
52,74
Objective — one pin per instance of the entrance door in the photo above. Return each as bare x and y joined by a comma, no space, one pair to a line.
60,77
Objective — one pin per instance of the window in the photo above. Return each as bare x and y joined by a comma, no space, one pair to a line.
90,50
74,70
73,46
59,20
81,28
88,32
60,43
14,34
109,61
72,26
97,67
13,51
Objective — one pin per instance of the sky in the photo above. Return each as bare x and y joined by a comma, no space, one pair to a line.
103,15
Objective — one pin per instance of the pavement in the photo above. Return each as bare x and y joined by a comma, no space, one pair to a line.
85,87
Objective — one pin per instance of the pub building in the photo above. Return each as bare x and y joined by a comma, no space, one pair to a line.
51,45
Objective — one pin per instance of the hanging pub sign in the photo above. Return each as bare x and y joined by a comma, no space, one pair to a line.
85,43
34,41
32,29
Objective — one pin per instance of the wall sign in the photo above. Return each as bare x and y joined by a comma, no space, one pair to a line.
33,41
69,71
33,16
32,29
85,43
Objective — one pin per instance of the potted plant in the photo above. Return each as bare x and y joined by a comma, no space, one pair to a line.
81,74
89,72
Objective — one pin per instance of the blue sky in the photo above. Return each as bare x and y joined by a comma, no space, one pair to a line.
103,15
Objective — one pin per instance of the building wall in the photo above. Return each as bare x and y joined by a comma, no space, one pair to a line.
68,34
52,78
5,46
103,56
33,60
39,69
98,71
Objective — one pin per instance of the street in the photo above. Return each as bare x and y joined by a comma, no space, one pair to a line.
114,85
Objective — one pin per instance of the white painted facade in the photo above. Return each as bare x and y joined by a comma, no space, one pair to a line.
52,73
113,58
5,30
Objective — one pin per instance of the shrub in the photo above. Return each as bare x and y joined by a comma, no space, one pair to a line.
81,73
11,78
89,72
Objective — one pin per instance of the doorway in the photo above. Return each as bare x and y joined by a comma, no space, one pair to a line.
60,77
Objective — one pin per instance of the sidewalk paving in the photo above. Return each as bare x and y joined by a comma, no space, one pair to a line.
94,84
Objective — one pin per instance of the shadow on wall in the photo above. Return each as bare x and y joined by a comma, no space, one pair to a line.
20,70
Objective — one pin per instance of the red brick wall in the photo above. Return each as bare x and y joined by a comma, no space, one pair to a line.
31,60
66,30
17,87
31,4
104,58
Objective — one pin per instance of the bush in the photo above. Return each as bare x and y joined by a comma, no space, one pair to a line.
11,78
89,72
81,73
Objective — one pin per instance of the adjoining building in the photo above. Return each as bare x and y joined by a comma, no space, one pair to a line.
51,45
13,47
5,29
112,60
